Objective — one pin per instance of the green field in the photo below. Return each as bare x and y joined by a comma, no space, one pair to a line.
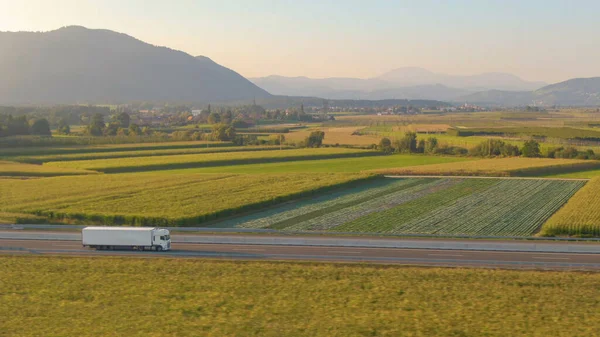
210,159
480,207
157,199
12,169
329,165
58,296
140,153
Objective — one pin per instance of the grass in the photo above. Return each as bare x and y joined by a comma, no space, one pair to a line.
20,218
12,169
60,296
158,199
211,159
580,216
583,174
140,153
328,165
48,150
502,167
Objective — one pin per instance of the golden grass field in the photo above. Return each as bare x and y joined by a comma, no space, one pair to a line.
501,167
580,216
337,135
102,296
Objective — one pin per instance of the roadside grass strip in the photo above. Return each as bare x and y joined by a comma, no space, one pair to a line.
388,220
354,194
509,208
335,218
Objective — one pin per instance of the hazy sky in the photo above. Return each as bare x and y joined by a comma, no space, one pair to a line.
545,40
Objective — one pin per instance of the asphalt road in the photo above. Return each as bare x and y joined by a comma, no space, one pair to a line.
428,257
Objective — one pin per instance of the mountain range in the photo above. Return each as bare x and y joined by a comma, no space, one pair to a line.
76,65
410,82
79,65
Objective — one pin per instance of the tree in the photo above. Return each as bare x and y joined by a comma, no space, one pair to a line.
421,146
63,127
41,127
431,145
223,132
531,148
315,139
134,130
96,126
214,118
408,144
385,145
123,119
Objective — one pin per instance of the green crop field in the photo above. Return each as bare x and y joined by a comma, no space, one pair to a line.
100,296
498,167
141,153
12,169
157,199
210,159
580,216
481,207
329,165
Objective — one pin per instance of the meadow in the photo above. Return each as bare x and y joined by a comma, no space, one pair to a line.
580,216
12,169
479,207
103,296
140,153
498,167
158,199
210,159
327,165
336,135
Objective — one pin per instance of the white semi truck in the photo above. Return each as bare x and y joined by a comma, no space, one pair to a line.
138,238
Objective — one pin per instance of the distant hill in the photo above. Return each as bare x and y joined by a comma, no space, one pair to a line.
574,92
79,65
406,83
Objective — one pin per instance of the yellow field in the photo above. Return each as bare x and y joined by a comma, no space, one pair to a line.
12,169
496,167
580,216
341,135
157,199
102,296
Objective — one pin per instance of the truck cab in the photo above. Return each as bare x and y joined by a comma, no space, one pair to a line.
162,238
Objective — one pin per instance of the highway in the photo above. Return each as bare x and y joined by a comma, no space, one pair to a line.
52,244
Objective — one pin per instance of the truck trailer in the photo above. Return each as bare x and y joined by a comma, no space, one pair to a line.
136,238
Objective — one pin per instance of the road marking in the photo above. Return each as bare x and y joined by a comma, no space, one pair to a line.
248,249
551,258
453,255
55,245
342,252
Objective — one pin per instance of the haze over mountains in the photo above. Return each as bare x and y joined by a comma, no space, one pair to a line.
410,82
79,65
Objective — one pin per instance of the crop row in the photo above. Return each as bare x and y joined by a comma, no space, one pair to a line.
356,194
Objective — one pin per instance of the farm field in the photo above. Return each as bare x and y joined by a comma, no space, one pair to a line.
157,199
210,159
328,165
40,151
189,297
450,206
12,169
502,167
140,153
580,216
336,135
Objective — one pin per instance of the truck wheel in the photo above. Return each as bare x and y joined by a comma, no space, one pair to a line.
159,249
